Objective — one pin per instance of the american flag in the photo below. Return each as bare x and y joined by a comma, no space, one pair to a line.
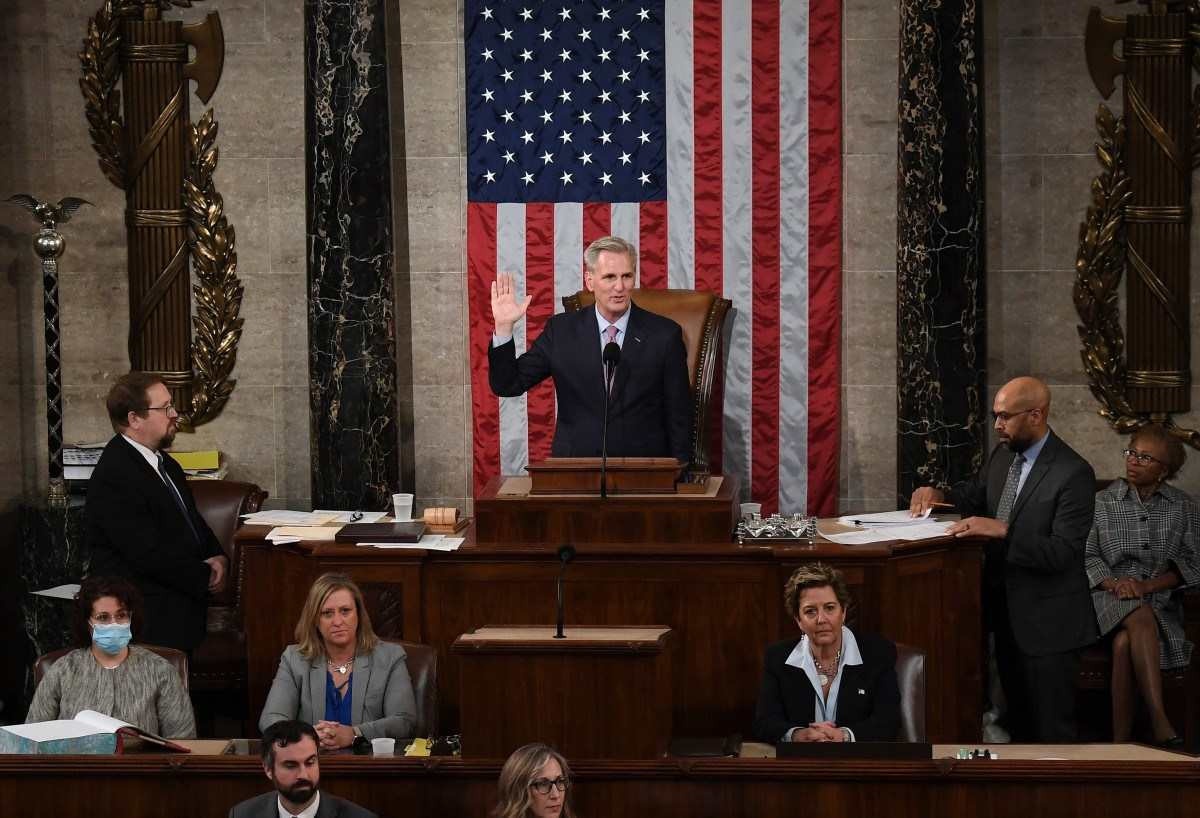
708,134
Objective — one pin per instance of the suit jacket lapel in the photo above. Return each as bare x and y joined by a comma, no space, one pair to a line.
631,349
358,687
587,342
316,688
150,476
1040,467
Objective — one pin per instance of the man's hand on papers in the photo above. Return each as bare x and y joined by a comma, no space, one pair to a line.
979,527
924,499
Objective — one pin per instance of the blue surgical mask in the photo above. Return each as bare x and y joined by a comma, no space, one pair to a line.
113,638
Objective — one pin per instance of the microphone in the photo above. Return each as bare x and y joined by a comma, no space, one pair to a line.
612,359
566,553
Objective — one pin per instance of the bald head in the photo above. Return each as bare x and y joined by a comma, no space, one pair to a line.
1021,410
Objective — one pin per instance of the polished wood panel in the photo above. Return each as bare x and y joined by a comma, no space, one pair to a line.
724,604
622,475
519,685
152,785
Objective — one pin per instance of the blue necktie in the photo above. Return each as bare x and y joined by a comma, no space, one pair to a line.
187,518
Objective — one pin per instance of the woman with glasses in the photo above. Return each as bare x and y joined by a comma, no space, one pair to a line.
108,674
1141,551
339,676
533,784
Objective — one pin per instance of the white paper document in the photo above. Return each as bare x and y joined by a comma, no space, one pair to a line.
348,516
294,533
891,518
283,517
428,542
879,533
59,591
87,723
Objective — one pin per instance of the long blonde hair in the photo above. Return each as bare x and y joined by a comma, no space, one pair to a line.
308,631
518,773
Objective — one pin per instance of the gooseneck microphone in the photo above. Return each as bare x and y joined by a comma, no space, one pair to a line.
612,359
566,553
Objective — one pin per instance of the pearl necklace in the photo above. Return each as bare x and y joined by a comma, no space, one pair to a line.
825,674
344,667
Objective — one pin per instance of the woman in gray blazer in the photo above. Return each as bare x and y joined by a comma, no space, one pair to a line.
339,677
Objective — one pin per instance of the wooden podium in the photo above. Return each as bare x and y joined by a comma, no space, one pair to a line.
622,475
597,693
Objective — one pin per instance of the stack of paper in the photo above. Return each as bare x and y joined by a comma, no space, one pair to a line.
886,525
282,517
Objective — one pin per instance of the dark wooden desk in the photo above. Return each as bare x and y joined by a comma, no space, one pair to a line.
723,603
207,786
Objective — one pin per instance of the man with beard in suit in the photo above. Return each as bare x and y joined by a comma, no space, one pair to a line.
1033,501
650,413
142,521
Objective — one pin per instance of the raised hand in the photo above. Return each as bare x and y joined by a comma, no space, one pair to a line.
505,310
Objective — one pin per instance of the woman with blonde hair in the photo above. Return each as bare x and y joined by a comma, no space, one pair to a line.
533,784
339,676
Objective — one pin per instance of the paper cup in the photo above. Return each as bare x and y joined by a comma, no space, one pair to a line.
383,746
402,507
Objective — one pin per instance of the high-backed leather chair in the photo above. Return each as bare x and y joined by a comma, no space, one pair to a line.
219,662
422,662
701,315
910,673
177,658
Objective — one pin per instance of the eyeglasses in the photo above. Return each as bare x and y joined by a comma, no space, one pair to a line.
167,407
1005,417
542,785
1142,458
121,618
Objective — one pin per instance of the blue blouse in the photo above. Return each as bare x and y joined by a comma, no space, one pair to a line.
337,704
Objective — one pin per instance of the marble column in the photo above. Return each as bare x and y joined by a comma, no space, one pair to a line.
940,293
351,321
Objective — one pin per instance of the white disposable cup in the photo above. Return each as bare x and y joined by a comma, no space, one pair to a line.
383,746
402,507
749,509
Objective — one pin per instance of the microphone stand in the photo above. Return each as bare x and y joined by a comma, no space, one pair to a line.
565,554
612,359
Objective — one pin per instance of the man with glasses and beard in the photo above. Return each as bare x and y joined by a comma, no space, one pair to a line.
142,522
289,758
1033,500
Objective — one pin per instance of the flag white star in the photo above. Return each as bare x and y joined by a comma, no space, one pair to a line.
547,117
486,54
643,15
566,178
526,55
527,95
623,76
644,96
527,178
585,158
526,15
604,14
565,14
585,76
488,95
624,117
644,178
625,160
489,136
606,178
605,137
547,158
509,157
527,137
585,116
490,176
506,35
565,96
486,14
604,55
643,55
507,116
546,75
584,34
565,136
546,35
507,75
623,35
564,55
606,96
643,137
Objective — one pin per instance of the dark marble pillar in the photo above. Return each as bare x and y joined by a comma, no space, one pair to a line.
351,322
940,293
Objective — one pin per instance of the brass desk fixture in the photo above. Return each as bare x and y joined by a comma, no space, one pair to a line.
1141,216
164,162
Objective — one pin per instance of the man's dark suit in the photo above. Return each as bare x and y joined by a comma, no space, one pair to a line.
868,698
266,806
1036,594
136,530
650,410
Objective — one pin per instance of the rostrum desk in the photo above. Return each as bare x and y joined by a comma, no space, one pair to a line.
723,603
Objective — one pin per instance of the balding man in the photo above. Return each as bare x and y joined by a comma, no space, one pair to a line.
1033,500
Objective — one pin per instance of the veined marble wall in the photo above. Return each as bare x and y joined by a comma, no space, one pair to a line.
45,150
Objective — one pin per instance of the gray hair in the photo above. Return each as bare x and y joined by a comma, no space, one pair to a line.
608,244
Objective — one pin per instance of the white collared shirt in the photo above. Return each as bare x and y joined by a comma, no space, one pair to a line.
621,323
801,657
145,451
309,812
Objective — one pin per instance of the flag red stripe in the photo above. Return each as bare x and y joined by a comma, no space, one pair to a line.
652,245
597,223
539,282
824,254
764,333
481,272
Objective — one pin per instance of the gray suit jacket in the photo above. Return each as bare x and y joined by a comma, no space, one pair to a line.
264,806
381,693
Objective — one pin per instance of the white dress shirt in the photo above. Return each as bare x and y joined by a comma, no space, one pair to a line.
309,812
801,657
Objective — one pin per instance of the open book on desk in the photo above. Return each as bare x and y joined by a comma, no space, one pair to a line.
89,733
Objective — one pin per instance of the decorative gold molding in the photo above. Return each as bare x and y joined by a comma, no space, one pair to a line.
102,100
216,323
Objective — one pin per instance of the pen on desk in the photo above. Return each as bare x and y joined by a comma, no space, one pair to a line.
942,505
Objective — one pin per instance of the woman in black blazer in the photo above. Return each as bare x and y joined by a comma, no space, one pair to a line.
830,684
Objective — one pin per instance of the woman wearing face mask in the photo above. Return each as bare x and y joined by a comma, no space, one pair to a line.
831,684
533,784
108,674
